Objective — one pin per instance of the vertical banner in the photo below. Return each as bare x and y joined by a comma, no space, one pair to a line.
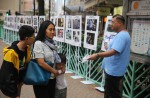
35,24
77,30
109,34
68,34
91,32
60,28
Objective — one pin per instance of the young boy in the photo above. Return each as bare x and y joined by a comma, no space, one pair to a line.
61,85
15,60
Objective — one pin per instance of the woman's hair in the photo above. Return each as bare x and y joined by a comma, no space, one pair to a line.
42,30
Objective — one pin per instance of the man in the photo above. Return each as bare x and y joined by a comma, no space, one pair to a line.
14,63
116,58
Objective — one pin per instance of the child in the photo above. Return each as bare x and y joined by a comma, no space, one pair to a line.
61,85
14,63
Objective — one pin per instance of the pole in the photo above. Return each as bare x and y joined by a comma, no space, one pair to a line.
64,7
33,7
19,6
49,9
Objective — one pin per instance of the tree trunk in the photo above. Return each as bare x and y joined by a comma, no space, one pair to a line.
41,7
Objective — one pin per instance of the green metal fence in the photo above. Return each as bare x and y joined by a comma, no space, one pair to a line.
1,31
136,81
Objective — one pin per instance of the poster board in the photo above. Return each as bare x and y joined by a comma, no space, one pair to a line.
140,37
109,34
60,28
91,32
68,31
77,30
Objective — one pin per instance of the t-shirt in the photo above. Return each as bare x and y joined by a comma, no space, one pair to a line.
61,82
116,65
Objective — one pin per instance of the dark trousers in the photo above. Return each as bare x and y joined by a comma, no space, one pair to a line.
113,86
45,91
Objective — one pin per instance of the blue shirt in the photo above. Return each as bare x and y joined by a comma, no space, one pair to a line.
116,65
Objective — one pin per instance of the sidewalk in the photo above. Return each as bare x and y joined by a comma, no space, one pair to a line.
75,88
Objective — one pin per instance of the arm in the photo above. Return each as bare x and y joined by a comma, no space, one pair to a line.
45,66
102,54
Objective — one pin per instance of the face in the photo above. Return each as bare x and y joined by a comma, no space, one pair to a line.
60,65
50,31
30,40
115,24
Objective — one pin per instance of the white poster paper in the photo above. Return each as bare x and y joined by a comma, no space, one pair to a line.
109,34
60,28
91,32
77,30
140,36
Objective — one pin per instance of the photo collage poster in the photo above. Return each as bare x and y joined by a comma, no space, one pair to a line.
60,28
77,30
140,42
109,34
68,34
91,32
10,22
35,24
28,20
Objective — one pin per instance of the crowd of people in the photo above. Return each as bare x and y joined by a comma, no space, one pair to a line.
17,56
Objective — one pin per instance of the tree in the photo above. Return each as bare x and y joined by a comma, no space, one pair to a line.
41,7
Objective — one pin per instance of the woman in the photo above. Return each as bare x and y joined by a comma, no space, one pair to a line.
45,50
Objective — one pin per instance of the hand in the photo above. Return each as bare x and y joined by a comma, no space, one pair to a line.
56,72
92,57
63,70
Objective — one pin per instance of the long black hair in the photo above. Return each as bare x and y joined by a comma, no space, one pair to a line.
42,30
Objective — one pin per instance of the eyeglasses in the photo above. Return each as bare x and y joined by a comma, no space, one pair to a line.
32,37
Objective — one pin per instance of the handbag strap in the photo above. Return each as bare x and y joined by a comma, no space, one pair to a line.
33,54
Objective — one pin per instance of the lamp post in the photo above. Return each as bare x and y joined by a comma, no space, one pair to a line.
33,7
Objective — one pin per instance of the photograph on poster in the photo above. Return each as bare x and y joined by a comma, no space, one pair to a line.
35,21
60,22
109,34
91,24
68,34
76,23
36,29
90,38
22,20
29,20
60,33
76,35
41,19
69,23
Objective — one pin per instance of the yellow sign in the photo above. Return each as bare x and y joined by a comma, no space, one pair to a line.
103,11
118,10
